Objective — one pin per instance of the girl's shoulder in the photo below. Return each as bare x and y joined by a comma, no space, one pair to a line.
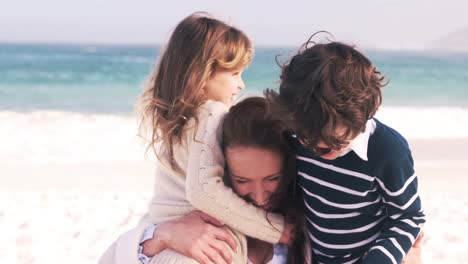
210,115
211,107
206,111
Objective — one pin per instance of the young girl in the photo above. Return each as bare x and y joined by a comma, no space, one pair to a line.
193,86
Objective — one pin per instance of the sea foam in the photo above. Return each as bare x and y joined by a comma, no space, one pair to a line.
54,136
426,123
47,136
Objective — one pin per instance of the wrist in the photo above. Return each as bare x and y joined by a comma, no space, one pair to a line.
163,234
157,243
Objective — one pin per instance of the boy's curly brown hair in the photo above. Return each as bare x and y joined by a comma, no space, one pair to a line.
326,86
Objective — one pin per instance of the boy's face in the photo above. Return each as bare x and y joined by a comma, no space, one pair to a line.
326,152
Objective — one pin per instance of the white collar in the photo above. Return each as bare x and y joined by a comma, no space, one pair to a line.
360,143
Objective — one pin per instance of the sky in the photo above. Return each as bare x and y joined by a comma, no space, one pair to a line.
385,24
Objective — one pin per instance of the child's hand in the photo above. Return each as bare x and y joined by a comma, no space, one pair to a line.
208,218
414,255
196,236
288,235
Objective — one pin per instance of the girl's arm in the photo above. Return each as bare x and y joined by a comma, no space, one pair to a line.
205,188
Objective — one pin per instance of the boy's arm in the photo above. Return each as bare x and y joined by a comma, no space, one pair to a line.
205,188
399,188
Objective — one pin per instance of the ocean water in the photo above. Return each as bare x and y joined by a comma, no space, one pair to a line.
108,79
62,102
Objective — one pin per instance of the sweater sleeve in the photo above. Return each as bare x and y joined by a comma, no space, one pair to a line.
399,188
205,188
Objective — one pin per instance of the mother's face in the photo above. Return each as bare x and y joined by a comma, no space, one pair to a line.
254,173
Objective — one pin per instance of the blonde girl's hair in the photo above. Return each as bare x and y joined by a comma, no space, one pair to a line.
198,45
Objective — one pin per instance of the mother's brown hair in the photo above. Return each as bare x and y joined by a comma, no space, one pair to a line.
249,124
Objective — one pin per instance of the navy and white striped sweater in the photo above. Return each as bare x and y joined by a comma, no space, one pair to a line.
361,211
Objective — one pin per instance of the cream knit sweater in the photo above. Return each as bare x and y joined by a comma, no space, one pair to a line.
199,186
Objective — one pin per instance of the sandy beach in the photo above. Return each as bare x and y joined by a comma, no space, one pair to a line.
73,171
56,211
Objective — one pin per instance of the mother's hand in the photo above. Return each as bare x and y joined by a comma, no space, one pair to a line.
414,255
196,235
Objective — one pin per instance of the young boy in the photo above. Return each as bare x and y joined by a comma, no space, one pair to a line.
356,173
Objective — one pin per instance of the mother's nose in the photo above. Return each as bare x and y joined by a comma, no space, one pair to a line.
260,196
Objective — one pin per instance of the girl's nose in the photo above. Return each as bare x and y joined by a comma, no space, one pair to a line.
241,84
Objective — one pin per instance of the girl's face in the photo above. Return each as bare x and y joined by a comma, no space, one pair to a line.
224,85
254,173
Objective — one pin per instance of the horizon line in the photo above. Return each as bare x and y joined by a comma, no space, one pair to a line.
157,45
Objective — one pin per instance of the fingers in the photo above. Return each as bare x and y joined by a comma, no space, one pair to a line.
203,240
228,238
215,252
414,254
222,249
287,237
214,256
292,238
212,246
220,241
419,240
201,258
209,219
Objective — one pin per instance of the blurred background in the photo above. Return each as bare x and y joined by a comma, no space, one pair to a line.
74,173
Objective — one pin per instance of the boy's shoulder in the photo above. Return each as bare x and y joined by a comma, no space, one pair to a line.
387,143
